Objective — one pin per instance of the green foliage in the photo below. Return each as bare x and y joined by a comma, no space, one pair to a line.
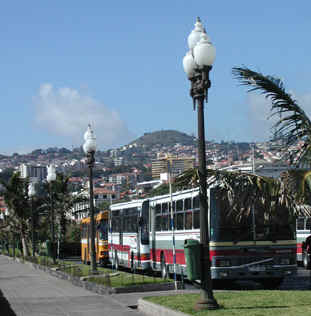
242,303
243,191
164,138
73,232
292,124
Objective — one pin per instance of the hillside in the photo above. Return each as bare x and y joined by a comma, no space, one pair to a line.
164,138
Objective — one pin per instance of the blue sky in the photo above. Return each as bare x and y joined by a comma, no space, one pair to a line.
118,65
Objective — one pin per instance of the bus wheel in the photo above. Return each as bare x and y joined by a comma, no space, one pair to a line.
164,272
306,261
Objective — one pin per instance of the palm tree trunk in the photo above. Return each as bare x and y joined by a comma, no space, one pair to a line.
24,243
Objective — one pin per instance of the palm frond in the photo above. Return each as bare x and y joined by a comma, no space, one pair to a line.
293,124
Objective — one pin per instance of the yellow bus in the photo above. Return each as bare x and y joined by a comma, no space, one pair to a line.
101,238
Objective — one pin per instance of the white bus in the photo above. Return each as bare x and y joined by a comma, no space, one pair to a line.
254,247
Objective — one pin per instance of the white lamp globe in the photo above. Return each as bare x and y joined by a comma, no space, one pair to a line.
195,35
90,145
204,52
88,132
189,65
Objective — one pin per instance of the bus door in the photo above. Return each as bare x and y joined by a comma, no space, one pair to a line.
153,235
143,232
121,228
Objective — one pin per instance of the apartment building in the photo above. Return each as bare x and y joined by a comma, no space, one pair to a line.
35,173
171,164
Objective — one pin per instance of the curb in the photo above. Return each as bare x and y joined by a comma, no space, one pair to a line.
99,288
152,309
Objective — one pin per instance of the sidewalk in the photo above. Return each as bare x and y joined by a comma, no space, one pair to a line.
28,292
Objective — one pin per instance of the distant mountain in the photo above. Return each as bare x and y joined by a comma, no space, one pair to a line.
164,138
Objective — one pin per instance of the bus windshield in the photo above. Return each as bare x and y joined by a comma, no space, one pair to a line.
248,225
102,228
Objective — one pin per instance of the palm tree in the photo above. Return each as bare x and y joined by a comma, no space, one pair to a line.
63,202
17,200
293,124
241,192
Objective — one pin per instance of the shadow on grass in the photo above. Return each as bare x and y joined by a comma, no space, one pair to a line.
259,307
5,306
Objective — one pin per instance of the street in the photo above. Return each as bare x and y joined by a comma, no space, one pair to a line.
29,292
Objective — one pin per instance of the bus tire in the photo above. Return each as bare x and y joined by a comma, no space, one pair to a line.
306,261
164,271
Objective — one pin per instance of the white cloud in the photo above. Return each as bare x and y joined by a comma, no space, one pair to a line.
66,112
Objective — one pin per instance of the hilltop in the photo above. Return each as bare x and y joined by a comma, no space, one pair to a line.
164,138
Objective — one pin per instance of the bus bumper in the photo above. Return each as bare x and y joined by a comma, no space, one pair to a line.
253,273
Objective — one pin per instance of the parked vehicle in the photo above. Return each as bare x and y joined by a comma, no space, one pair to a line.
101,238
254,247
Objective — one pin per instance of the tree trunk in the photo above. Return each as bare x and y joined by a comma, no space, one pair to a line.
24,242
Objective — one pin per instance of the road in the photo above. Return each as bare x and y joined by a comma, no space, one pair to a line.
28,292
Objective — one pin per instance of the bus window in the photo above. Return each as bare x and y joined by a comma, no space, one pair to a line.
115,221
188,220
196,202
158,223
180,221
158,209
165,222
103,230
179,205
164,208
187,204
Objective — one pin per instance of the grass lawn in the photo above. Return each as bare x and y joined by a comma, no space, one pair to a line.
243,303
117,278
128,279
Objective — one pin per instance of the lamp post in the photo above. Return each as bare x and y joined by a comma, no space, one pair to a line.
197,64
31,194
89,148
51,176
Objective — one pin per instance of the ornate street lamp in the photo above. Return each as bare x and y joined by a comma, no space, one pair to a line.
89,148
31,194
197,65
51,177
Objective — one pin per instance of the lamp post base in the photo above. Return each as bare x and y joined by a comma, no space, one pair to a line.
203,304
